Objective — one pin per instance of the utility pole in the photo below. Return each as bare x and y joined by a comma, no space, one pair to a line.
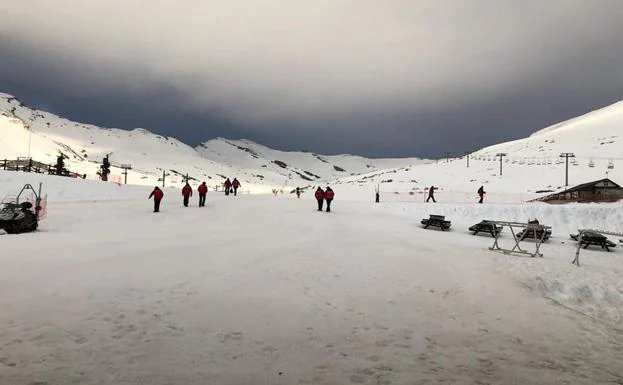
447,154
501,155
467,156
125,168
567,155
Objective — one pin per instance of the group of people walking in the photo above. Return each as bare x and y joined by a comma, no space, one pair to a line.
321,195
324,195
231,186
187,191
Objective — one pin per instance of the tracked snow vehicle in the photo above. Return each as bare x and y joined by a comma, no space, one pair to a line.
20,216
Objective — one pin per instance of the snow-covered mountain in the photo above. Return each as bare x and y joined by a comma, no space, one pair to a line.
45,136
305,165
531,165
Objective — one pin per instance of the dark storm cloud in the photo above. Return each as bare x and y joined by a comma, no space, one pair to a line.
387,78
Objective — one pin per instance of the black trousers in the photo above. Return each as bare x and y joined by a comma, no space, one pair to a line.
329,204
320,202
186,198
226,190
202,200
481,198
431,197
156,205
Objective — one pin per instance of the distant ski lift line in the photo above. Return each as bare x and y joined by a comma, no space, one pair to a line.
535,158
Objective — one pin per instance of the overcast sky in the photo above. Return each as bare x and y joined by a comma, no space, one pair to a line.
380,78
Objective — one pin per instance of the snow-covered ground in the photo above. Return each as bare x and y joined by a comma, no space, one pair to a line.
262,289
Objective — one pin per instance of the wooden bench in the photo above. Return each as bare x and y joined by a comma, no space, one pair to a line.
436,220
486,227
591,238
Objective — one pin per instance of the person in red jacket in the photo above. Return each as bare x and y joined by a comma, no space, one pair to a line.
319,194
227,185
187,192
328,196
157,194
431,192
481,193
235,184
202,190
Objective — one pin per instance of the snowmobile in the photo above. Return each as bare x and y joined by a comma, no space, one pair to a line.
20,217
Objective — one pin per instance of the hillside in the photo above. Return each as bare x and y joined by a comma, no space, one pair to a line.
532,166
46,135
308,166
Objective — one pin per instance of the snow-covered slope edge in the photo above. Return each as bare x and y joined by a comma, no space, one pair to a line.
531,167
151,154
309,166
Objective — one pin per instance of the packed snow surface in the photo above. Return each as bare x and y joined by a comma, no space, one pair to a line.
262,289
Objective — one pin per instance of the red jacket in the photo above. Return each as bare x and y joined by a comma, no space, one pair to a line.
187,190
203,189
319,194
157,194
236,184
227,184
329,194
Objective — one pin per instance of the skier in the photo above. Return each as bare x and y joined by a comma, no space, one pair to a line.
235,184
202,190
157,194
187,192
431,191
319,194
227,185
328,196
481,193
298,192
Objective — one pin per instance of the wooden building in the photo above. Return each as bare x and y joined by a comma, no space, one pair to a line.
603,190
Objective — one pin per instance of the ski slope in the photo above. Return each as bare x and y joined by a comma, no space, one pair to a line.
262,289
531,168
45,135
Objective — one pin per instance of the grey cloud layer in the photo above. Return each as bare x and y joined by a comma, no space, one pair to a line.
276,63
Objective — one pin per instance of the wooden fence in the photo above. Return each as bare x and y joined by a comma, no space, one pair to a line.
29,165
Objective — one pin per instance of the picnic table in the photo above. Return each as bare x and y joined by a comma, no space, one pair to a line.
486,226
593,233
593,238
436,220
535,231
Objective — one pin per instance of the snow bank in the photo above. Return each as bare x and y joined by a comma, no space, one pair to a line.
59,188
564,219
594,289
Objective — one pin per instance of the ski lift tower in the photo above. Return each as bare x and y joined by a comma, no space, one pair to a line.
501,155
125,168
567,155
